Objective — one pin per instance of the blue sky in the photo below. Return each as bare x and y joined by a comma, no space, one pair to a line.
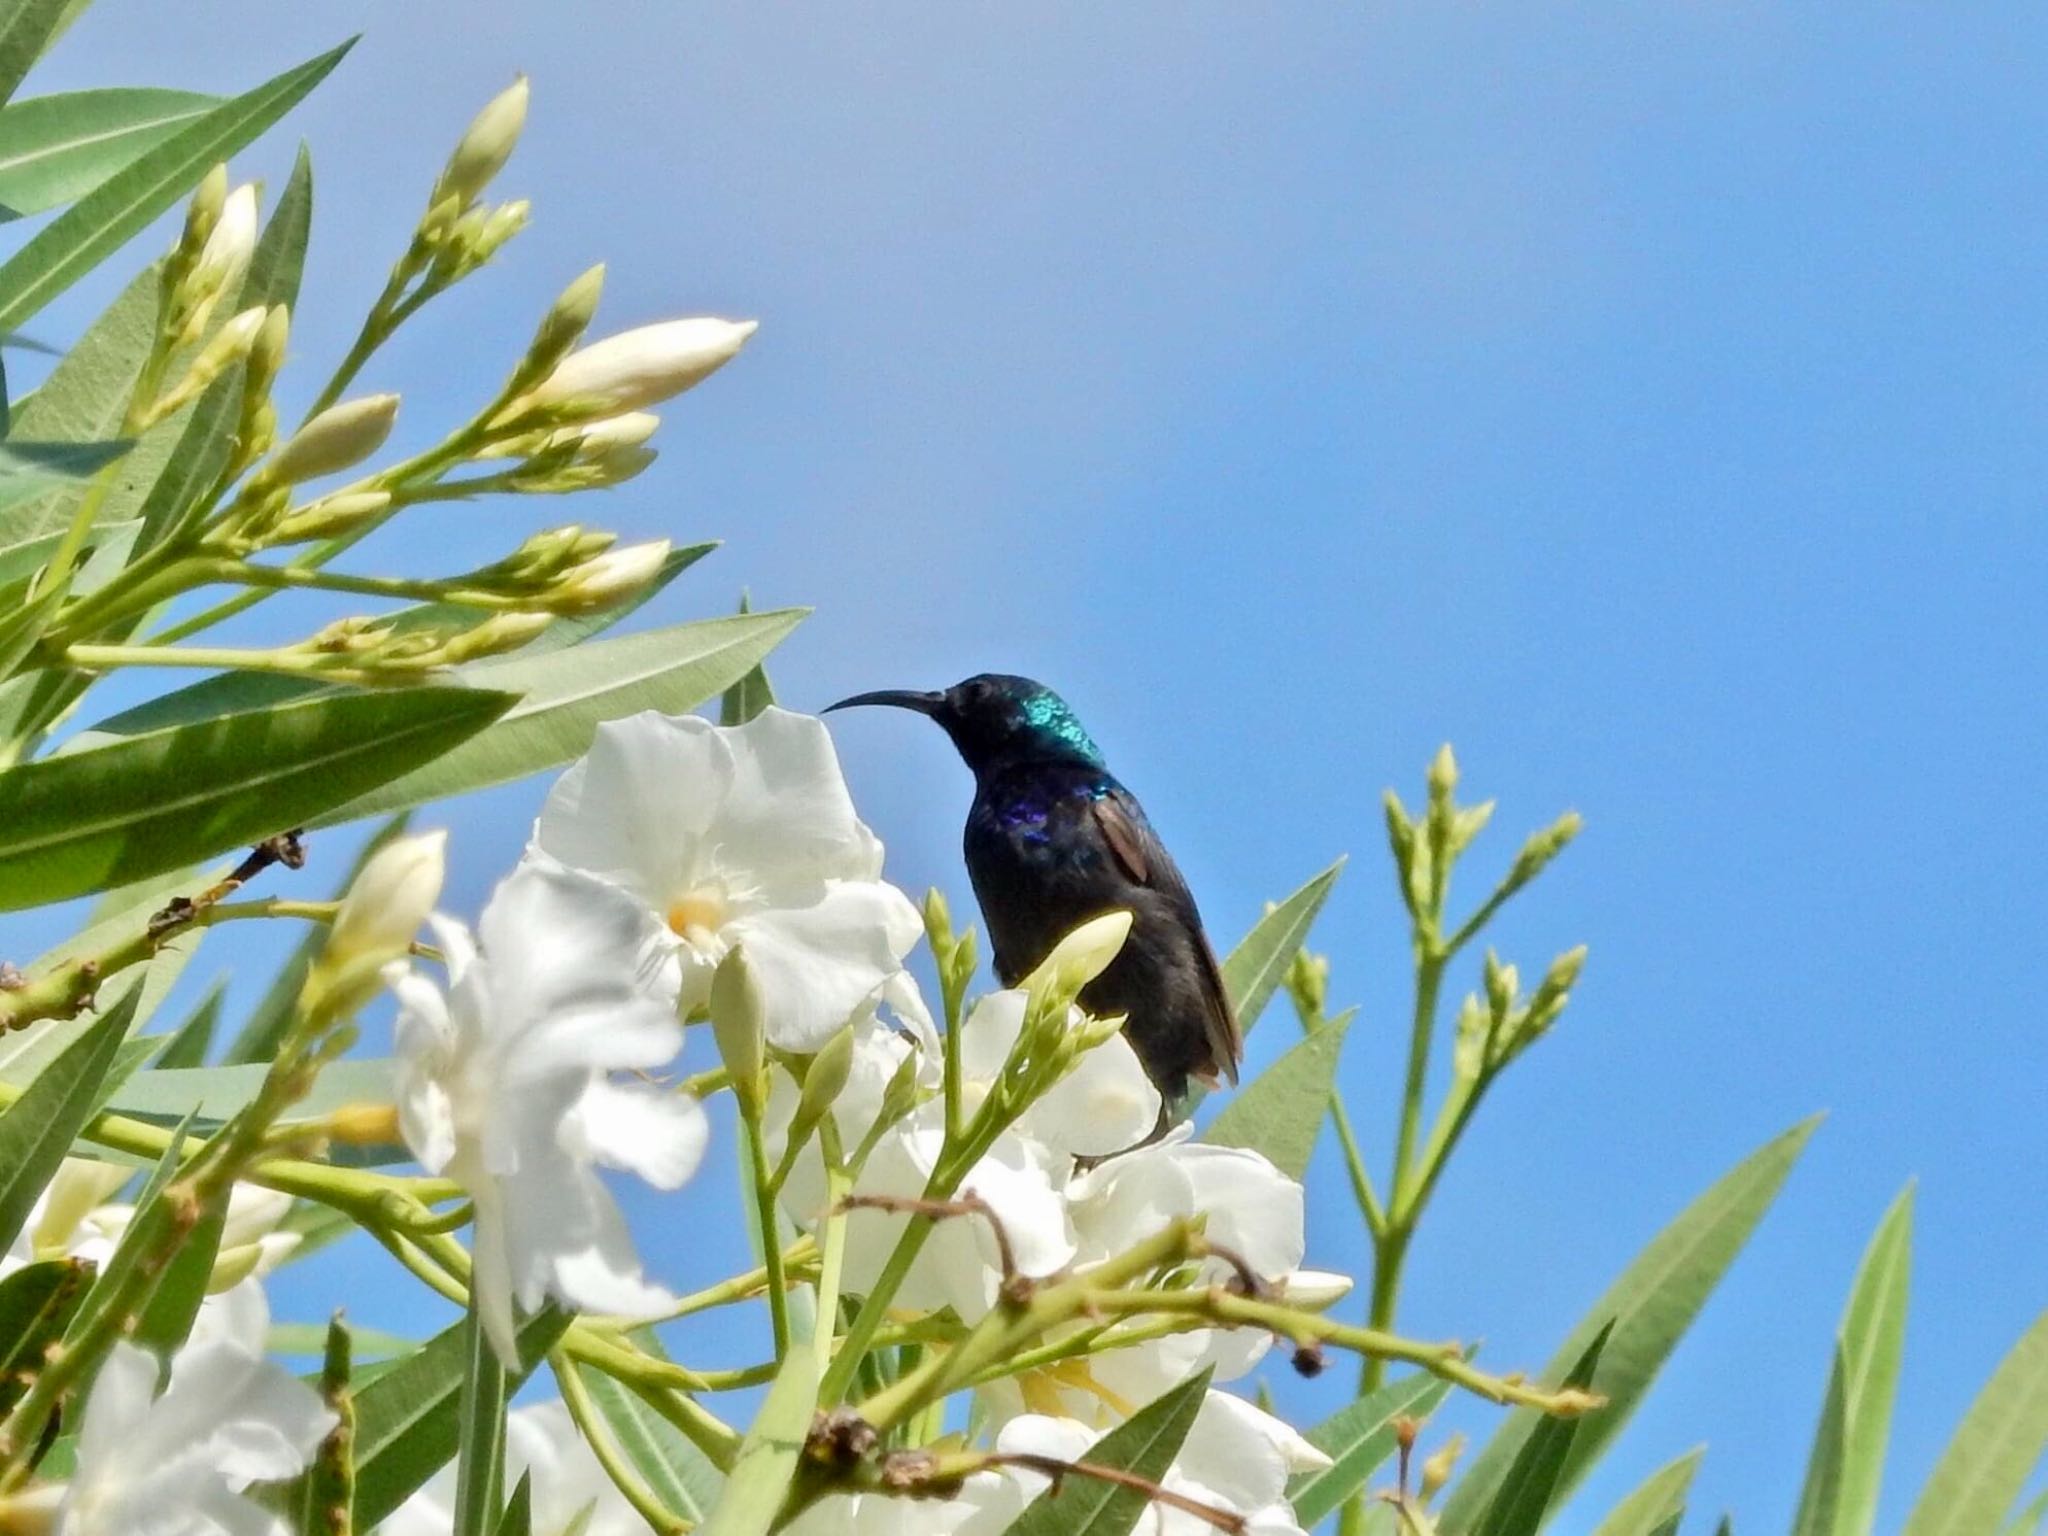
1648,401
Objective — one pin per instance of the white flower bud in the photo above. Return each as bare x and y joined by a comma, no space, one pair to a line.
639,367
1084,954
1316,1289
230,244
383,909
611,577
339,436
485,146
738,1023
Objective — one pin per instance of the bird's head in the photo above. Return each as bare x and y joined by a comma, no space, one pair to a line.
996,719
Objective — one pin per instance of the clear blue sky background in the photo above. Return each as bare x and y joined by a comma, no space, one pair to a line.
1649,400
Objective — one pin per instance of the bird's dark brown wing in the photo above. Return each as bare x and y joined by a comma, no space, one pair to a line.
1145,860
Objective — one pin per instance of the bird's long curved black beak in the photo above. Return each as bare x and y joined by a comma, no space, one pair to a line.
896,698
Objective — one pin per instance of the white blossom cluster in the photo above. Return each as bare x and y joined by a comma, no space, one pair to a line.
529,1065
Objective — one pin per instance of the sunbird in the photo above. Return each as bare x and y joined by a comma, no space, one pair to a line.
1053,839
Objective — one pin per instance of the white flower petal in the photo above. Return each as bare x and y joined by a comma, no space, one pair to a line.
636,808
117,1405
817,964
1104,1105
789,810
659,1134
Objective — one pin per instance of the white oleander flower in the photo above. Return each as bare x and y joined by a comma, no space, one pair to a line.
504,1085
177,1465
741,835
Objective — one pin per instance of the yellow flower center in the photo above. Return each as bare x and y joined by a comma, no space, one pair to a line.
696,916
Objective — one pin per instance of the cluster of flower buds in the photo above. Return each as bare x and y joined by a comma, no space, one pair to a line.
1056,1033
459,233
211,255
389,651
1493,1030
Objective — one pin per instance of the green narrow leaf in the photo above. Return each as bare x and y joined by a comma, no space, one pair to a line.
264,1029
56,148
1995,1449
37,1303
1648,1309
751,694
216,1093
81,821
1820,1498
1280,1112
98,224
169,1315
680,1475
406,1420
767,1457
190,1040
82,401
1535,1479
1873,1341
1656,1507
1358,1438
518,1517
1144,1444
566,694
480,1446
1255,968
37,1129
2028,1521
29,470
311,1339
27,27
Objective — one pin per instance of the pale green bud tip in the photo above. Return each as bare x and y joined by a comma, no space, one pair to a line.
739,1025
826,1079
267,355
486,146
1443,773
500,633
339,436
1564,970
387,902
331,515
1436,1471
640,367
208,198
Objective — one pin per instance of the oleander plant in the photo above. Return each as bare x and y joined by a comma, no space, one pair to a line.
983,1300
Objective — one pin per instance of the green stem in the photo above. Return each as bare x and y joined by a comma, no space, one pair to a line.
838,1183
597,1434
310,665
376,330
771,1237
